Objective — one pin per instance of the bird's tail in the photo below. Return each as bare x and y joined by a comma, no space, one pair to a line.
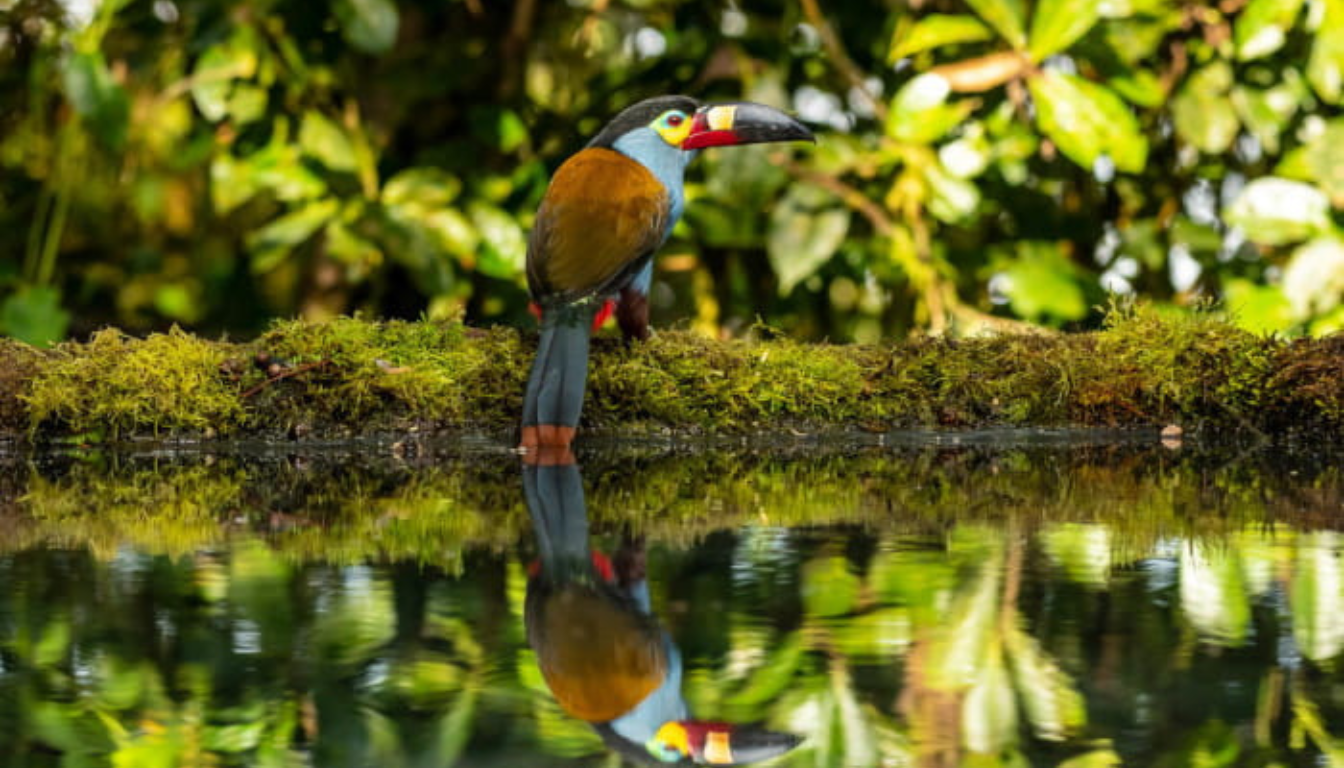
555,387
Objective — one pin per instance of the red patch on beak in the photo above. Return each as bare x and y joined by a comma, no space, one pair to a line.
702,135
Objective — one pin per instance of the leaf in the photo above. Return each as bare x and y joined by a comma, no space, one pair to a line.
369,25
829,587
1057,24
33,315
324,141
1276,211
1054,706
1320,160
919,113
422,187
273,242
1140,87
96,98
1257,308
1313,280
1042,284
807,227
1266,112
989,711
1325,68
1086,120
1202,110
935,31
503,247
1006,16
215,72
1262,27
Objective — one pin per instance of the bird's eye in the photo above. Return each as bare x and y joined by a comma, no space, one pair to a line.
675,119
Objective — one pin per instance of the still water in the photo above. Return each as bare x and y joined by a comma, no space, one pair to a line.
1001,600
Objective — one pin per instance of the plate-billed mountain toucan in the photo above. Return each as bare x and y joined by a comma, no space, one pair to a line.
600,648
607,210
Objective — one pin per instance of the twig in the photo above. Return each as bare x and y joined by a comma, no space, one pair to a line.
285,374
848,69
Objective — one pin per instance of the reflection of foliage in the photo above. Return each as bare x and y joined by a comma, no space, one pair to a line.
215,163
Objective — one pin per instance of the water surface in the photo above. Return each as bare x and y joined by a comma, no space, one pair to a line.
1016,599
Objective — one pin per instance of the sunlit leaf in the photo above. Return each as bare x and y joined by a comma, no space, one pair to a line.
503,246
369,25
1006,16
213,77
1086,121
951,199
1313,280
1056,24
1320,160
806,229
1257,308
1202,110
273,242
324,141
1277,211
34,314
422,186
1041,284
935,30
1325,69
1262,27
1266,113
1140,87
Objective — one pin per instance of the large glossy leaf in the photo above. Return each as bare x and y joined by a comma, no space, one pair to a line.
1086,120
1262,28
369,25
1203,112
1006,16
324,141
806,229
273,242
503,247
1042,285
1056,24
1277,211
1313,280
920,113
1325,69
33,314
935,31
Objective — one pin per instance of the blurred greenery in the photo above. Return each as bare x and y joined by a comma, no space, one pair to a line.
217,164
1100,605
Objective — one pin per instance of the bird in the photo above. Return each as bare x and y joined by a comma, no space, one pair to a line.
601,650
607,210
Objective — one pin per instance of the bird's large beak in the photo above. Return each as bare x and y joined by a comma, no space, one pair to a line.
743,122
724,744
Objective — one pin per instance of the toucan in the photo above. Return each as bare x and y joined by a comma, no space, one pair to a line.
601,651
606,211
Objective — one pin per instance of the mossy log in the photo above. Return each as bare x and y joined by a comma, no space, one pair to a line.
355,377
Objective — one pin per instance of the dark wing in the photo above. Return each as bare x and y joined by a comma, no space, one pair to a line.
602,218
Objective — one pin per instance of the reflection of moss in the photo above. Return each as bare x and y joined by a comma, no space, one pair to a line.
352,376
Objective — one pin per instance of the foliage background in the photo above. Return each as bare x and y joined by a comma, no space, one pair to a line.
218,164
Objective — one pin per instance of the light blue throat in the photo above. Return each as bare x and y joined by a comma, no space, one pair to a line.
664,161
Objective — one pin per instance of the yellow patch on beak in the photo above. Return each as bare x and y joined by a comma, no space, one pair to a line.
721,118
673,735
717,751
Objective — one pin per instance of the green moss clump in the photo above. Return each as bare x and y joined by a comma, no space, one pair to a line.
19,362
121,386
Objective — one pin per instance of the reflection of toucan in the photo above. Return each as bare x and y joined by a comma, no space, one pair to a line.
600,648
606,211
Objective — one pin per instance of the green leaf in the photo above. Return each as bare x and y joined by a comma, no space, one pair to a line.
1140,87
1276,211
369,25
96,98
33,314
1057,24
1325,69
1321,160
1257,308
1042,284
1262,27
324,141
829,587
1203,112
1006,16
503,247
1086,120
422,187
1266,112
919,113
807,227
1313,280
273,242
935,31
215,72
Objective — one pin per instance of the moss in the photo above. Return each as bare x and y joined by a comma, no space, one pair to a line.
122,386
352,376
19,362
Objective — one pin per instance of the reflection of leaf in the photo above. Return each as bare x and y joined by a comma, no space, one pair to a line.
1006,16
1054,706
989,712
806,229
768,679
1276,211
1213,594
1086,120
935,30
1056,24
369,25
829,588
